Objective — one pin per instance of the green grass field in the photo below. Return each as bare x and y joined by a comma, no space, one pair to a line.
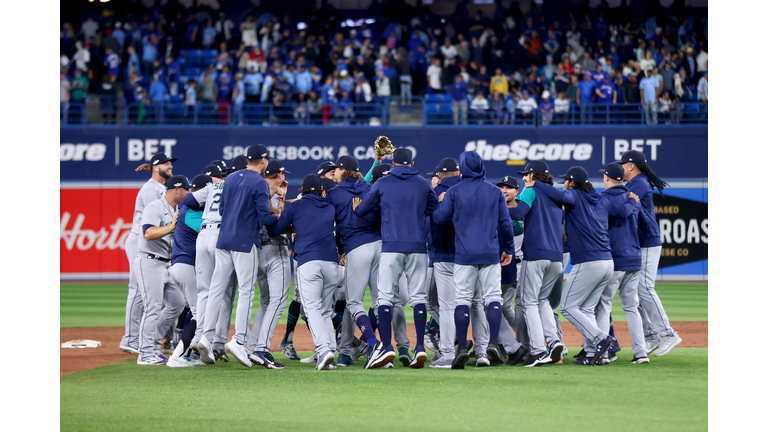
670,394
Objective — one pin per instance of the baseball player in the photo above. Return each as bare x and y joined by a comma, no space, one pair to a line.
244,205
477,267
432,338
541,267
183,272
152,262
274,275
312,218
405,200
161,167
627,262
660,336
586,219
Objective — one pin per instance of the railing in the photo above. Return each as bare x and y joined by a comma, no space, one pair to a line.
392,111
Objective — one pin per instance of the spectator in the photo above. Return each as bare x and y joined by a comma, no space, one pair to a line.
363,92
224,27
238,98
345,83
666,108
209,91
512,100
209,35
632,89
561,79
619,85
551,44
483,80
584,94
328,98
547,107
702,90
572,90
527,106
599,75
562,106
252,83
479,106
403,68
108,99
496,105
64,87
701,61
549,71
303,80
82,57
448,51
586,63
459,100
499,83
567,66
647,63
79,87
89,28
383,88
158,92
605,91
667,76
433,77
248,31
190,98
649,89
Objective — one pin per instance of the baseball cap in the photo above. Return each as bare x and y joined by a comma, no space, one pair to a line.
276,166
577,174
433,173
327,183
381,170
220,163
201,180
325,167
177,181
257,151
509,181
447,165
238,163
160,158
632,156
312,182
549,57
402,156
536,167
587,73
348,162
614,171
213,171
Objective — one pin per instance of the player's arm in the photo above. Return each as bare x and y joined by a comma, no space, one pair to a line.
150,224
368,177
622,210
369,202
263,211
506,231
444,210
555,194
282,224
431,201
194,219
524,203
517,227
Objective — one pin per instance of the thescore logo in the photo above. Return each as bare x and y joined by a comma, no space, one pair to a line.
82,151
524,150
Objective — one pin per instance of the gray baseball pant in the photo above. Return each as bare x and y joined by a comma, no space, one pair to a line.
153,281
173,304
433,304
392,266
446,296
581,294
477,286
520,324
318,281
507,329
184,276
274,276
224,321
399,329
481,332
656,320
538,277
556,294
134,305
205,263
362,270
245,266
625,282
347,332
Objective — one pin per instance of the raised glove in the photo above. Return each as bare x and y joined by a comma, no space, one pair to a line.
383,146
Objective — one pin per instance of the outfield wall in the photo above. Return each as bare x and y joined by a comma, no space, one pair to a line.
99,184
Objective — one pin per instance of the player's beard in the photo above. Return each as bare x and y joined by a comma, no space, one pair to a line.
166,174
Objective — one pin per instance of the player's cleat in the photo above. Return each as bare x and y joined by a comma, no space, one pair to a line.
470,344
652,343
380,356
129,349
504,357
403,356
289,351
565,351
205,349
178,362
325,361
585,361
533,360
195,360
603,361
602,347
667,343
640,360
616,347
432,342
359,348
388,366
462,357
580,355
271,363
441,363
437,356
239,352
152,360
556,351
221,355
517,356
344,361
493,352
483,360
310,359
610,357
167,348
419,358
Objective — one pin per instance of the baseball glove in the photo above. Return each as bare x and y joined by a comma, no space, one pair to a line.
383,146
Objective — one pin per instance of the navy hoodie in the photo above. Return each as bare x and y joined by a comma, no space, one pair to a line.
353,230
543,226
648,232
586,223
480,209
312,218
443,243
185,235
406,200
622,228
244,205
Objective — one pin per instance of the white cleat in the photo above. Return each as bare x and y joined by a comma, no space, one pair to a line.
667,343
205,348
310,359
325,362
238,351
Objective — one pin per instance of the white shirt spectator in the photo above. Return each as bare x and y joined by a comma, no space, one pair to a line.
647,64
382,87
366,90
81,58
225,28
249,33
561,105
703,87
448,52
64,96
89,28
434,72
527,105
701,62
479,103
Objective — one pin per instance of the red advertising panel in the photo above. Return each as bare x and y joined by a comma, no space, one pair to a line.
94,225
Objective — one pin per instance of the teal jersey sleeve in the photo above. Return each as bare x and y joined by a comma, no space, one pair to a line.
368,177
527,196
194,219
517,227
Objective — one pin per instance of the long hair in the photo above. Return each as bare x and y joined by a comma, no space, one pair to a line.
655,181
544,178
586,186
350,174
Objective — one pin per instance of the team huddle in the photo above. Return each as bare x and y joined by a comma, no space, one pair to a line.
461,250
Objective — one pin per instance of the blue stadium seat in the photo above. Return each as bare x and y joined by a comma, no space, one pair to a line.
390,73
210,53
433,98
192,72
444,97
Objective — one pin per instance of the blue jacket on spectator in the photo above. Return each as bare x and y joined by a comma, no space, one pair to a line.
648,233
158,92
354,230
481,233
303,82
312,218
443,241
622,228
406,200
244,205
459,91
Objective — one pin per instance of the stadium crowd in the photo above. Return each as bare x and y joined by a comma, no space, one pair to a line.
498,69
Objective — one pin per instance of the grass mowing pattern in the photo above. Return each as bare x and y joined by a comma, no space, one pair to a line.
670,394
103,304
